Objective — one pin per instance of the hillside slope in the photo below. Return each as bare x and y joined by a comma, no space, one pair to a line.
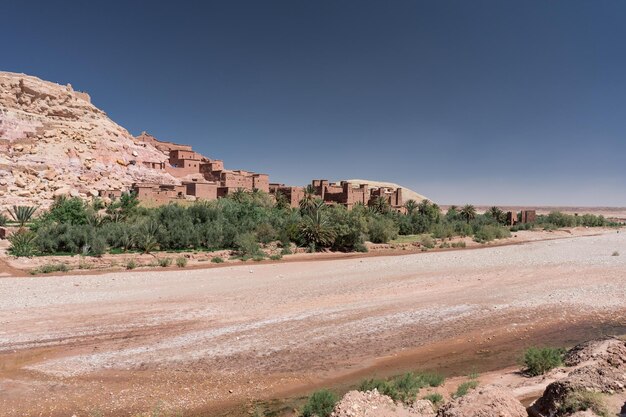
53,141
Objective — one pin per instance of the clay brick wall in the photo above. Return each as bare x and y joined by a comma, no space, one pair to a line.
235,180
528,216
158,193
184,154
261,182
112,194
201,190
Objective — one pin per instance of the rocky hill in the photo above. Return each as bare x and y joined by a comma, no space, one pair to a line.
53,141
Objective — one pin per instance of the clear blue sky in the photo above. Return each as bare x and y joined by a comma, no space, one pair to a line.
508,102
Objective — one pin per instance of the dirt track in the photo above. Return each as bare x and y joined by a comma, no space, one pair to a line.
183,340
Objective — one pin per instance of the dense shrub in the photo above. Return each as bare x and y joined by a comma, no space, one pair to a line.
538,361
320,404
382,229
246,220
247,245
181,262
489,232
23,243
556,219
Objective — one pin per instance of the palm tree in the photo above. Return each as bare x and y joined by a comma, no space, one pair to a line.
379,204
315,229
410,207
239,195
468,212
308,200
22,214
282,202
496,213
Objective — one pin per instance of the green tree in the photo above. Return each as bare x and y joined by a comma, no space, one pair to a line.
468,212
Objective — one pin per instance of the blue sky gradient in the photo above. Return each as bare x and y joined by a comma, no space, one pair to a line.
488,102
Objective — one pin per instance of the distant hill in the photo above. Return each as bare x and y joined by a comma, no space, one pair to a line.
407,193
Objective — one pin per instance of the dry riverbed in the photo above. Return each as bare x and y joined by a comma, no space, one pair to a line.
209,340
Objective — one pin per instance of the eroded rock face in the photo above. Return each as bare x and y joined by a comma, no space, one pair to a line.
52,138
489,401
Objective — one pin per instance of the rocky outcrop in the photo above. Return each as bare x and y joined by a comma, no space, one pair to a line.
54,141
374,404
599,368
489,401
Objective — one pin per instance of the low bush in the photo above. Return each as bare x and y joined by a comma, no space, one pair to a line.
258,258
131,264
460,244
181,262
616,253
489,232
247,246
427,241
165,262
538,361
581,400
384,387
276,257
432,379
49,268
464,388
217,260
434,398
320,404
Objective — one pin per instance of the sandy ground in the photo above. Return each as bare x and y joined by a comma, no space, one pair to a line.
208,340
